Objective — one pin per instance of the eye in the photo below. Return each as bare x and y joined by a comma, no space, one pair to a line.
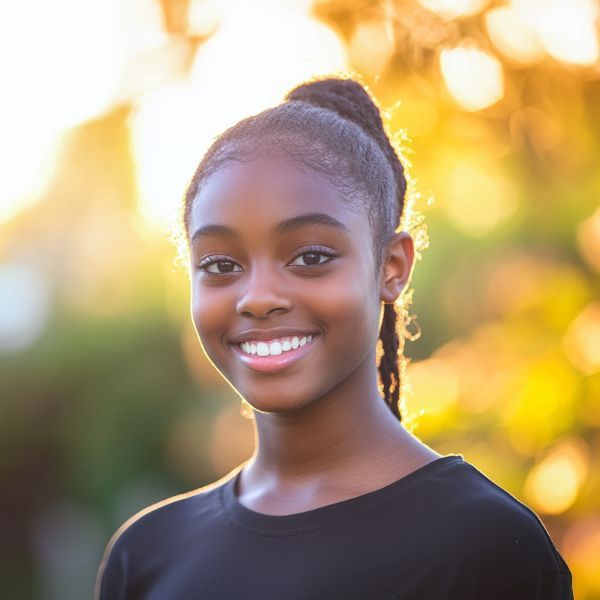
312,257
222,266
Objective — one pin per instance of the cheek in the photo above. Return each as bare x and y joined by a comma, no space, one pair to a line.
210,314
350,310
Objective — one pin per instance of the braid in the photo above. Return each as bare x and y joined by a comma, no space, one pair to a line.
351,101
388,364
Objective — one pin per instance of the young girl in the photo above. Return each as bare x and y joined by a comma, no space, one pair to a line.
297,260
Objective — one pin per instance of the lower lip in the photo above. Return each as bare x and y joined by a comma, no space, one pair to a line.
268,364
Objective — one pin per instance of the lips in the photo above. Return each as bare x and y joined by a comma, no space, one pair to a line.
273,362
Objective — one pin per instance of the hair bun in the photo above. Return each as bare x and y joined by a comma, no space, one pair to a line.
350,100
347,98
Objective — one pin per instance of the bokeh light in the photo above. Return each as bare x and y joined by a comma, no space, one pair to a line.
553,484
513,35
451,9
566,28
473,77
478,199
582,340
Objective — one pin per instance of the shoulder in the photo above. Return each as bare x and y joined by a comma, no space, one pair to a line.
503,542
136,538
490,508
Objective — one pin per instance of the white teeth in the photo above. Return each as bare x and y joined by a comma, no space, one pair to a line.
275,347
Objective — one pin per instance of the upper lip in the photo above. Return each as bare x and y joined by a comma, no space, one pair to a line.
269,334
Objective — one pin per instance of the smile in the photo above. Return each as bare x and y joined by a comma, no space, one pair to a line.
275,354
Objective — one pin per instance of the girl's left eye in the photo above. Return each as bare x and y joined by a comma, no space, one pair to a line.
313,258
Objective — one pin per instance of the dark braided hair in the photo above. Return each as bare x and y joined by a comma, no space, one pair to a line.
332,126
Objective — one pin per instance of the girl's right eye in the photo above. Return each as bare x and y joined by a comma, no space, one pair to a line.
223,266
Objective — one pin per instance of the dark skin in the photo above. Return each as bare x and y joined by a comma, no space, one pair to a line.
324,434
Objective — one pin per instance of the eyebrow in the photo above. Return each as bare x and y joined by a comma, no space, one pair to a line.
283,227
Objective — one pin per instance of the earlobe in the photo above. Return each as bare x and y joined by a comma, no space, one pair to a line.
396,267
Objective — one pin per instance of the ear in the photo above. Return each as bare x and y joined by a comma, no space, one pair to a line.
396,266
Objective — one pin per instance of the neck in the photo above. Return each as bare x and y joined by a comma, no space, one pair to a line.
349,428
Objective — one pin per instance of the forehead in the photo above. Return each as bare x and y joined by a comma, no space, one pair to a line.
260,193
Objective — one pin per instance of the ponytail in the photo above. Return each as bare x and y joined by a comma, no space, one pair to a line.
388,364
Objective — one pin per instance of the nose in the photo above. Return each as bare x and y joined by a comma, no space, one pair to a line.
263,294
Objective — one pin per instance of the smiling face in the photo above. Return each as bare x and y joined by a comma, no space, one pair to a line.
277,255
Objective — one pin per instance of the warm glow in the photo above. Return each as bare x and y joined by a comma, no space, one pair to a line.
513,35
451,9
63,64
581,550
553,484
175,125
30,147
566,28
539,395
415,112
582,340
473,374
204,16
473,77
434,386
372,46
477,199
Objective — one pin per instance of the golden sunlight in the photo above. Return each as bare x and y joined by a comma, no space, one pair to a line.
433,391
372,45
66,64
553,484
452,9
582,340
174,126
473,77
478,198
513,35
566,28
581,545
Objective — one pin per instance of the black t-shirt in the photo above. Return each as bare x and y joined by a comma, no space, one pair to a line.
445,531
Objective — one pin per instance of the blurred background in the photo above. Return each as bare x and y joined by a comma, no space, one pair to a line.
107,403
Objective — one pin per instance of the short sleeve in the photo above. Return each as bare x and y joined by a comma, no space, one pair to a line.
556,585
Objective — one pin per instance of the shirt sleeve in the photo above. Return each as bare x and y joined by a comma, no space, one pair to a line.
556,585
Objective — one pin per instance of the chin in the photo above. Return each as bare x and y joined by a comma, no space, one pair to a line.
275,403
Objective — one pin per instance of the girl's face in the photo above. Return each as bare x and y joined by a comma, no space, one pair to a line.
277,256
